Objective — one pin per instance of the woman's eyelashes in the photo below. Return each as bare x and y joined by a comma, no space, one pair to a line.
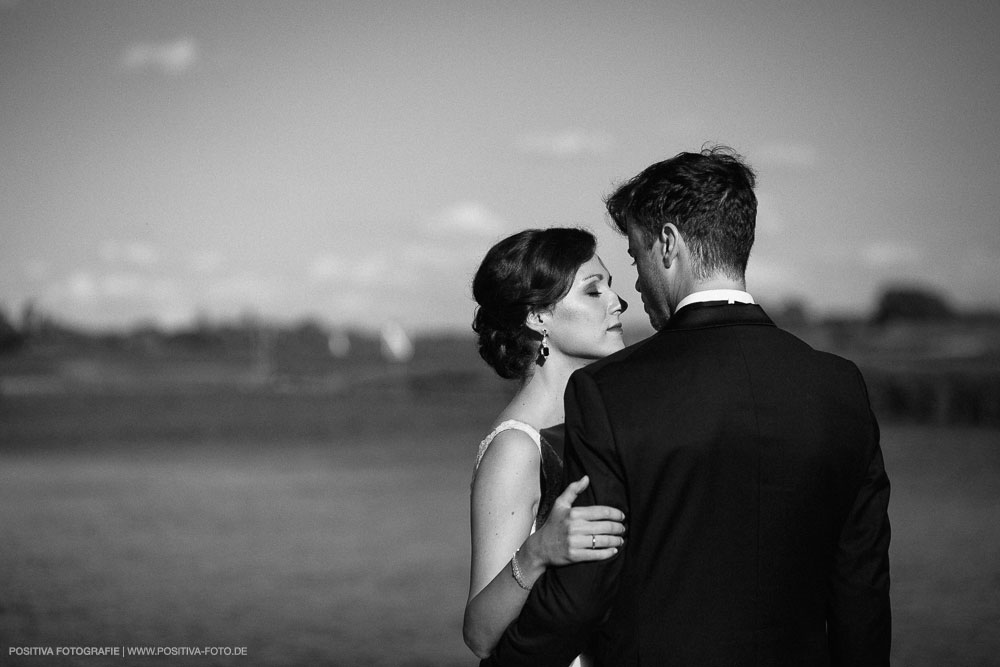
596,291
596,286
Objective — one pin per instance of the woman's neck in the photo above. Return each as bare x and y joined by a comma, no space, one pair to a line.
539,401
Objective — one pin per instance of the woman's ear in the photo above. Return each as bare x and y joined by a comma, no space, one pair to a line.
536,320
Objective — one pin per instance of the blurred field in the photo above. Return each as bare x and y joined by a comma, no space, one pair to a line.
329,527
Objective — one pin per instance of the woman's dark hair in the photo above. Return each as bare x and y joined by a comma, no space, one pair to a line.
530,270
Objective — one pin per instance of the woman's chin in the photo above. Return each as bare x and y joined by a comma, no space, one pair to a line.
616,345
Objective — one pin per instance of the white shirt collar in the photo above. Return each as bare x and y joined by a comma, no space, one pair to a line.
730,295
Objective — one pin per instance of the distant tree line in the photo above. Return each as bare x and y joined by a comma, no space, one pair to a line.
923,359
897,304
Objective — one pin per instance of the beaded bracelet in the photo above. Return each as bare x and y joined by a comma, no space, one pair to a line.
515,570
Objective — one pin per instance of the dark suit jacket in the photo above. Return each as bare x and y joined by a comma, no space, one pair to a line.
749,469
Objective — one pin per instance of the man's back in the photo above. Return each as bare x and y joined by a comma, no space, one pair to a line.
743,451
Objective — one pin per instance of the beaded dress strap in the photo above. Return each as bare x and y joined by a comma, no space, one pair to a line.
506,426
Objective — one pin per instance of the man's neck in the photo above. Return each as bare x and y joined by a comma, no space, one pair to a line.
712,283
717,282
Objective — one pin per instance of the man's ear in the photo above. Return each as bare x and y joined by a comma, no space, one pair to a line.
667,239
670,242
536,320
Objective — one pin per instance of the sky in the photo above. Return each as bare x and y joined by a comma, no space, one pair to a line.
351,162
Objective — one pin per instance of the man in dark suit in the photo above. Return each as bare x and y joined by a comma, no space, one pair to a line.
747,464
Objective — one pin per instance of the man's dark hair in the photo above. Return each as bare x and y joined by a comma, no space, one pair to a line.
708,196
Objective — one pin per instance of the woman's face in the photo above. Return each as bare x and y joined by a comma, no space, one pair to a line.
585,323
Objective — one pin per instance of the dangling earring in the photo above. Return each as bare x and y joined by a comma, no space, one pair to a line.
543,350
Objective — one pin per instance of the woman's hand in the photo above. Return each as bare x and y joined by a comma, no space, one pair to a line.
578,534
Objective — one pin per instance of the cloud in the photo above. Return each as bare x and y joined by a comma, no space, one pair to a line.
205,261
133,253
326,268
244,288
468,218
801,156
376,270
880,254
171,58
567,143
88,287
124,285
81,286
415,282
359,272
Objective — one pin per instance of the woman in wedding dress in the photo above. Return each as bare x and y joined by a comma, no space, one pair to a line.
546,308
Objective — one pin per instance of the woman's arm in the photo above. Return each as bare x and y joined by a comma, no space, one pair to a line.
505,498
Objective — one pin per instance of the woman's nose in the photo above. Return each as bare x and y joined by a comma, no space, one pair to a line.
622,305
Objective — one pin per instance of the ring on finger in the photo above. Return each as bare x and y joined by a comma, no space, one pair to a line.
593,541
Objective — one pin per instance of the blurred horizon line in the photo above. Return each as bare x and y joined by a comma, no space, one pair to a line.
926,303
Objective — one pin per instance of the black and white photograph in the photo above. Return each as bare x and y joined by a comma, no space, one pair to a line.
439,333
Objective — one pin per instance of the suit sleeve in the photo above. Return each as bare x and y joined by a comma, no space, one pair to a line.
859,621
568,603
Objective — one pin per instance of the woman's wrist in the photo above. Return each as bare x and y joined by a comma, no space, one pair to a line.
518,574
530,559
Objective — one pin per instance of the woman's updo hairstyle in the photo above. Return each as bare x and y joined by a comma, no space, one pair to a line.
530,270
